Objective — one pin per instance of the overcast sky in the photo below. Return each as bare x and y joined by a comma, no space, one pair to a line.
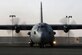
28,12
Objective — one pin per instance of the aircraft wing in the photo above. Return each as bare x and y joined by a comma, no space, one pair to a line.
61,27
14,27
66,28
29,27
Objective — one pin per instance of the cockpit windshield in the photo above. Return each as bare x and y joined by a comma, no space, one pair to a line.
42,27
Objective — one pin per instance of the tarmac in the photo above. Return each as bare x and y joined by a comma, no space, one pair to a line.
19,46
26,50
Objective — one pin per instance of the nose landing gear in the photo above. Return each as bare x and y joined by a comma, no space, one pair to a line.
41,45
31,43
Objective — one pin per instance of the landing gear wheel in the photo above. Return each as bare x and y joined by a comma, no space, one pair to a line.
41,45
31,43
51,44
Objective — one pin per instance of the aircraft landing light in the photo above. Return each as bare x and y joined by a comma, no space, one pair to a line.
54,42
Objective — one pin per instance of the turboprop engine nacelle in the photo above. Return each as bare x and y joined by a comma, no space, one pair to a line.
17,28
66,28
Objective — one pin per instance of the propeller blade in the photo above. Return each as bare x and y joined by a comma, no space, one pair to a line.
21,34
64,21
14,21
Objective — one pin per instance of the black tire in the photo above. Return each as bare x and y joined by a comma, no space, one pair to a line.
51,44
41,45
31,43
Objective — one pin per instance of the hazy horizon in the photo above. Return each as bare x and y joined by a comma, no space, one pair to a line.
28,12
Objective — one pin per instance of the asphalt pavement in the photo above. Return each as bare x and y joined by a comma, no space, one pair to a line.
11,50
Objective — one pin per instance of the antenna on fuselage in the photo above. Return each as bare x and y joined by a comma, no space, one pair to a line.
41,13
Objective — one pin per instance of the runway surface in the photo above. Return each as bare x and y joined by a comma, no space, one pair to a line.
19,46
39,51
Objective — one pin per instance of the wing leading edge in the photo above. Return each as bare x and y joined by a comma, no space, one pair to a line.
13,27
66,27
29,27
61,27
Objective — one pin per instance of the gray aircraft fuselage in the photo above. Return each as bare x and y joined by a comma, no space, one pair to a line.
42,33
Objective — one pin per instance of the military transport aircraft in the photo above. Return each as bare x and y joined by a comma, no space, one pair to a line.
41,33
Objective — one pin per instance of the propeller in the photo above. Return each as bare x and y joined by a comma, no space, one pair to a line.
23,33
70,33
15,21
65,21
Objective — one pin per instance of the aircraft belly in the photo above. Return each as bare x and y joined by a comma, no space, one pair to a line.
46,39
